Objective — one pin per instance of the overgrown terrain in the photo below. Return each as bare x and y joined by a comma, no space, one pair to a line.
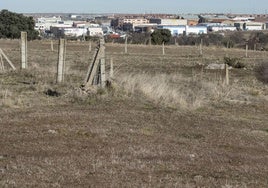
166,121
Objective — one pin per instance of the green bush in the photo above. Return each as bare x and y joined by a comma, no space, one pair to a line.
234,62
161,36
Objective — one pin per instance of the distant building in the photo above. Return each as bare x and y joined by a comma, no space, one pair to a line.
73,16
44,23
168,22
221,28
94,31
250,26
212,18
192,19
240,18
120,22
53,19
74,32
45,26
185,30
214,27
145,28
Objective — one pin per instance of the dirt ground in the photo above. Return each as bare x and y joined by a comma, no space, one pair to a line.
113,139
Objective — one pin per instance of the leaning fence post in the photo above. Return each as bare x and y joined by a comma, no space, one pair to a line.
61,60
10,63
23,50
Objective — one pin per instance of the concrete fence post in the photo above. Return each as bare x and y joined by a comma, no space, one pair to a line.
52,45
246,50
61,61
126,45
89,46
226,74
201,48
111,68
163,48
23,50
102,72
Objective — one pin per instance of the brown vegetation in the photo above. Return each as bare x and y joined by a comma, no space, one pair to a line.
165,122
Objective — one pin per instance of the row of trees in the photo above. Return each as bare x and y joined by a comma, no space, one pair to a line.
11,25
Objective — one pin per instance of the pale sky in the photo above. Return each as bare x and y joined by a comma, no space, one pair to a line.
136,6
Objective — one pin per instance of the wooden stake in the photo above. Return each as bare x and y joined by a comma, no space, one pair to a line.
23,50
61,61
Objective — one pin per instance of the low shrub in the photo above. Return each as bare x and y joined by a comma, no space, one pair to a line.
261,72
234,62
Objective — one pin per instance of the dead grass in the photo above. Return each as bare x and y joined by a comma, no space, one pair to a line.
162,124
189,93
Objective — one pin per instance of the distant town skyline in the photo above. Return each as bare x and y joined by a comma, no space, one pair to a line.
137,6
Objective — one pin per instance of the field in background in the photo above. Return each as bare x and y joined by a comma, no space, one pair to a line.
165,122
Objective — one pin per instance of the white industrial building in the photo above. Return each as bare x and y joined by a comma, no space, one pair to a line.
94,31
222,28
58,28
74,32
250,26
179,30
168,22
44,26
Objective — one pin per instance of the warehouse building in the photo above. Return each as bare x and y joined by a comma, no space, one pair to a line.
185,30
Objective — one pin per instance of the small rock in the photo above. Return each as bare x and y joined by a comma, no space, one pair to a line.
198,178
52,131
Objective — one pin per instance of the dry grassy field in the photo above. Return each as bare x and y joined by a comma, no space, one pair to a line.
166,121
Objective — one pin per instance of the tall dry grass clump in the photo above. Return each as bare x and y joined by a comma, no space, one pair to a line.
261,72
174,90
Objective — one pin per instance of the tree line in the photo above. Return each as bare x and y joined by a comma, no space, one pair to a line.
11,25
